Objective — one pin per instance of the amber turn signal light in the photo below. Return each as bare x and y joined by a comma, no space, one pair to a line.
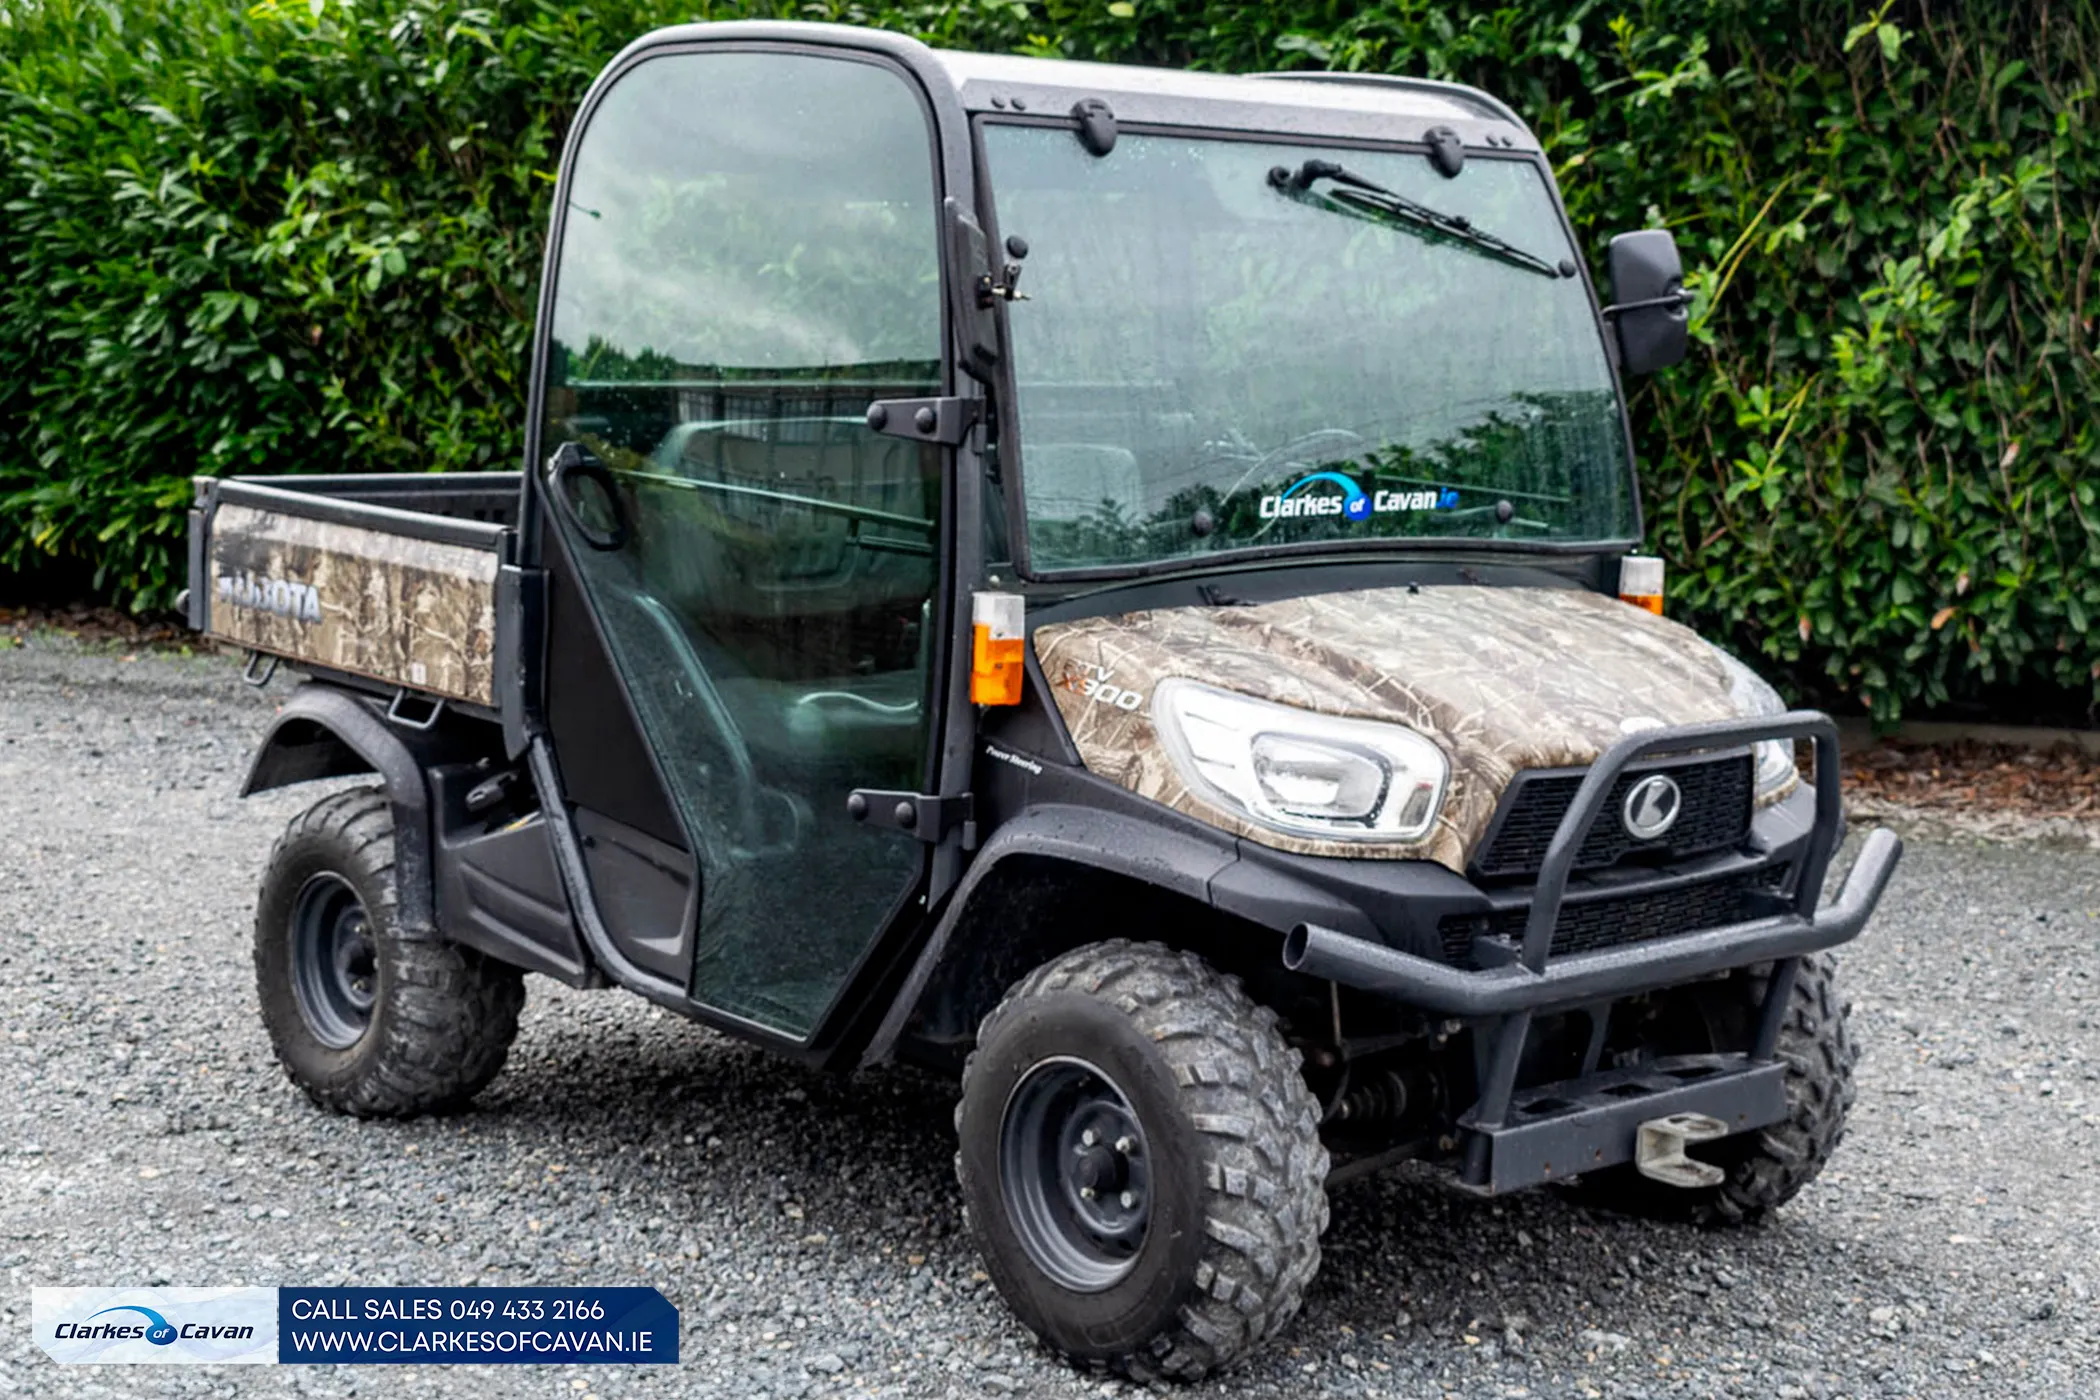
996,649
1641,582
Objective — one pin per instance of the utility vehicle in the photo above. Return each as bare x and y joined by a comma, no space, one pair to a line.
1122,585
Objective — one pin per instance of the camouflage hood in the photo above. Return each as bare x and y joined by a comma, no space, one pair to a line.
1502,679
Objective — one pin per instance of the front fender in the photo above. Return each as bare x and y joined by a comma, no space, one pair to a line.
1203,866
1107,841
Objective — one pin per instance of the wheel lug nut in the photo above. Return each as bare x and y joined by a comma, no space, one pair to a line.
1088,1138
1129,1200
1086,1193
1123,1145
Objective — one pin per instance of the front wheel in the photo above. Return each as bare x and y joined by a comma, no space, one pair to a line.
1141,1162
367,1016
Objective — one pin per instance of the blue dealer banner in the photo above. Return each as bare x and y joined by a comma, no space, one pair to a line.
351,1326
482,1326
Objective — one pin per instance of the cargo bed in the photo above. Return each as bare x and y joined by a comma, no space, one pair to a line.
392,579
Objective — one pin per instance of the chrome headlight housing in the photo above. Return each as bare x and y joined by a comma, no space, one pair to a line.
1297,772
1754,697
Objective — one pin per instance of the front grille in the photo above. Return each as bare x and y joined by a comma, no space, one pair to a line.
1716,815
1616,921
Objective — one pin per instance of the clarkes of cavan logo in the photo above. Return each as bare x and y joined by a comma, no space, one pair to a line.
1299,499
155,1329
1652,807
300,602
156,1326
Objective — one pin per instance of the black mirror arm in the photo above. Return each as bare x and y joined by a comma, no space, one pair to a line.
1673,300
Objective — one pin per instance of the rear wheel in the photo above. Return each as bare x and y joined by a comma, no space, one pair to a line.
367,1016
1769,1166
1141,1162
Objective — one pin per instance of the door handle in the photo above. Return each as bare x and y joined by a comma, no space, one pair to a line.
573,464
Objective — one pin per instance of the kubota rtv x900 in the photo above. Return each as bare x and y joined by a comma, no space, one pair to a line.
1121,584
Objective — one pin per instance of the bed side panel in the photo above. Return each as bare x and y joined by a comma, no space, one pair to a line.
410,612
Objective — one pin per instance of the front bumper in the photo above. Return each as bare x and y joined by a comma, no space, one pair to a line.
1520,1137
1583,978
1532,980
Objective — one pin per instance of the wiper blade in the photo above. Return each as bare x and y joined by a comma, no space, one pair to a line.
1368,199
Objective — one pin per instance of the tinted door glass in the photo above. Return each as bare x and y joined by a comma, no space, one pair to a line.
749,258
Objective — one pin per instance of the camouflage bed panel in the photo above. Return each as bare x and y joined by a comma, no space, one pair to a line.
409,612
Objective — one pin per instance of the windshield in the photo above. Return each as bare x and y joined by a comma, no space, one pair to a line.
1211,361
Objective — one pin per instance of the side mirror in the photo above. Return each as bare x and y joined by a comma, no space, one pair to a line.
976,321
1648,312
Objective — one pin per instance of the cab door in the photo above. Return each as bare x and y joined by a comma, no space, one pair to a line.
744,575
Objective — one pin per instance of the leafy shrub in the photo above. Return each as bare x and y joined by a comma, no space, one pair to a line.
290,238
307,237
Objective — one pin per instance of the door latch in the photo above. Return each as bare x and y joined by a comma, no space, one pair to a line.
914,813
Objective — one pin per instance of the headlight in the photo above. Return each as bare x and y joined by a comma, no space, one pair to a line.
1297,772
1752,696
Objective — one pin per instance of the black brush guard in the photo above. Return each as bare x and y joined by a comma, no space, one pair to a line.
1555,1131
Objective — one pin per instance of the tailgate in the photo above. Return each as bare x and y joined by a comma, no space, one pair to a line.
395,595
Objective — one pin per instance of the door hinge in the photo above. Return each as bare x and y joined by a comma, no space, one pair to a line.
944,421
914,813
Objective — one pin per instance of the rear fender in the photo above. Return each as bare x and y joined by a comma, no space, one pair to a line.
325,732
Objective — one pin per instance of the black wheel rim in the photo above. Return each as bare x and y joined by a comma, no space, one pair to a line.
335,969
1075,1174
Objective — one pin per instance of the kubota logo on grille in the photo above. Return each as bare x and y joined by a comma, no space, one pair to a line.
1652,807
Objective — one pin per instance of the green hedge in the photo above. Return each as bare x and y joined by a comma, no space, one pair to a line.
307,236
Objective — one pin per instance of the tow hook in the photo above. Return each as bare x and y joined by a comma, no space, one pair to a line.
1658,1149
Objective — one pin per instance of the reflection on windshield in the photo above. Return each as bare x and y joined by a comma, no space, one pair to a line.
1208,364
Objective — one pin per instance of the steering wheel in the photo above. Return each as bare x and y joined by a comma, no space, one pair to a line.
1302,446
1319,445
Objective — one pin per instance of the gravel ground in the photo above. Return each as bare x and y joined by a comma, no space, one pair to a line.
807,1227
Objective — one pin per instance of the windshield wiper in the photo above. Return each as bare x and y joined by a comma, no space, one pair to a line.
1367,199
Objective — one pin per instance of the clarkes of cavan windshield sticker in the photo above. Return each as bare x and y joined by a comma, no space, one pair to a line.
410,612
1305,498
1499,679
